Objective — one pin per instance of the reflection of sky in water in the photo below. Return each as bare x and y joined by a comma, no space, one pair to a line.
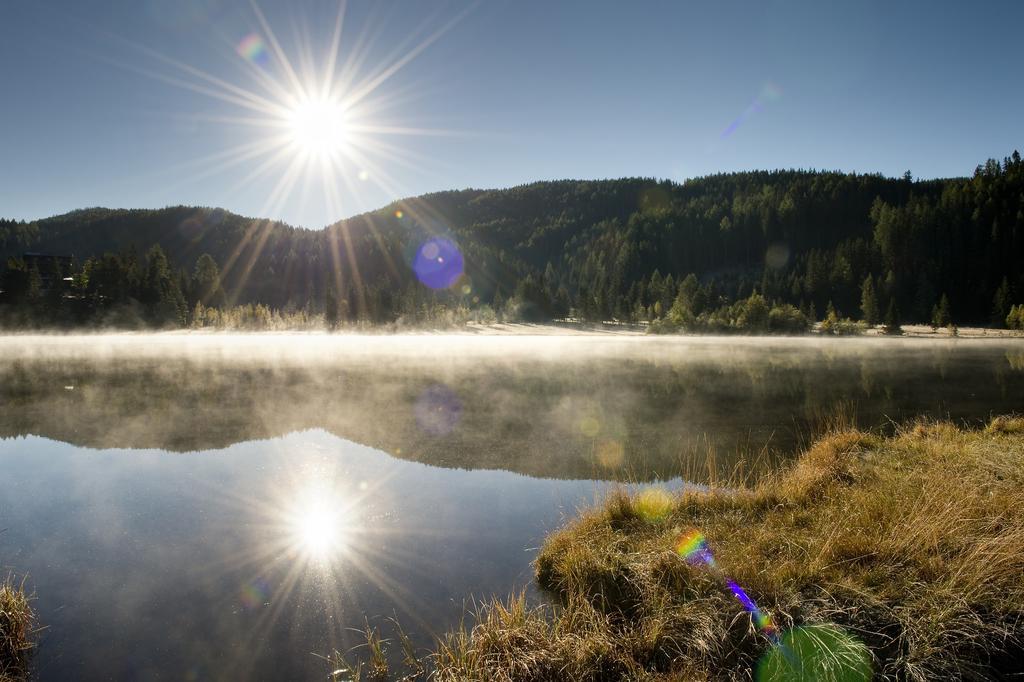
201,563
254,556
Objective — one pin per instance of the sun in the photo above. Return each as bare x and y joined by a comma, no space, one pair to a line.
321,115
318,127
318,526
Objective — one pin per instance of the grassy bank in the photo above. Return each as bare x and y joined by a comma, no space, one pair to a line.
16,628
909,549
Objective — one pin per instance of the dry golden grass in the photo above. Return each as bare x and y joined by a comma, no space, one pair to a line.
913,544
1006,425
17,622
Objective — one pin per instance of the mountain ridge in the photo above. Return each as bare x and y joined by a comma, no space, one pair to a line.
605,248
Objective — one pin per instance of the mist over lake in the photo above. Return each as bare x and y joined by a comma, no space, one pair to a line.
156,484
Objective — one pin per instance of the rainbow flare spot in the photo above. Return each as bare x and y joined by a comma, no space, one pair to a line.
252,48
693,548
254,594
815,652
770,92
762,621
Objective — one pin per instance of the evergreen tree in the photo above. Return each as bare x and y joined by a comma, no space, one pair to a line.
942,316
889,285
198,315
925,298
164,302
14,282
35,284
656,288
532,301
687,304
55,293
331,309
892,320
498,303
549,280
1001,303
668,292
560,304
868,302
205,285
1015,319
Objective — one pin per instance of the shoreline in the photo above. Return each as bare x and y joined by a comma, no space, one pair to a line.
513,329
923,331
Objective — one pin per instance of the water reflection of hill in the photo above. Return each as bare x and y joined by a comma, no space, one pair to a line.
644,410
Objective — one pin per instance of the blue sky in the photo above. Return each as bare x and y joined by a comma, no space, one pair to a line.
100,106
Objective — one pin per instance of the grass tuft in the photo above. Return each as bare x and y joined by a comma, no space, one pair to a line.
832,460
1006,424
17,627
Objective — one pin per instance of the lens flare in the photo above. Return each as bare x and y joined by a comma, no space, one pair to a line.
816,652
252,48
610,454
693,548
590,426
762,621
813,652
777,256
254,594
654,504
438,263
438,410
770,92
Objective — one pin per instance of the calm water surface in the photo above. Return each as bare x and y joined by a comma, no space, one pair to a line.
220,507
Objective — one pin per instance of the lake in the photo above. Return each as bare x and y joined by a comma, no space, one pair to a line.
221,507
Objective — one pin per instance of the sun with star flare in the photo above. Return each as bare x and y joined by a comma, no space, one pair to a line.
318,126
318,123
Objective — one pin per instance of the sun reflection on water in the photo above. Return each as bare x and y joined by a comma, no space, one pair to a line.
319,524
321,539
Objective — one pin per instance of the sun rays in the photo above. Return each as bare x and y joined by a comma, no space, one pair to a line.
308,121
319,541
318,116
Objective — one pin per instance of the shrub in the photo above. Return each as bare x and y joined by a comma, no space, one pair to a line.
787,319
843,327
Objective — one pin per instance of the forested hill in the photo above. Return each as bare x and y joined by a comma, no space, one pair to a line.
596,249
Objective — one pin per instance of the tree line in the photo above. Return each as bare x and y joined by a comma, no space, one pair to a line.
766,250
